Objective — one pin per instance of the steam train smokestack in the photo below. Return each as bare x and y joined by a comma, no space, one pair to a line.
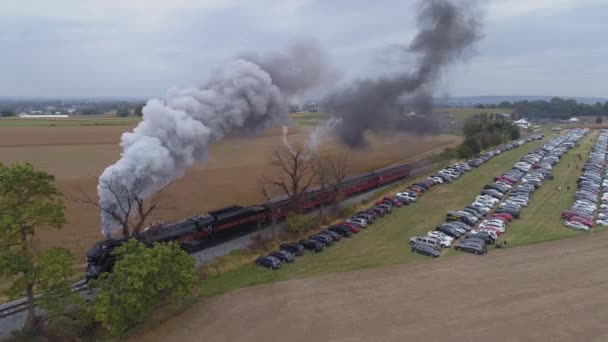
249,94
447,31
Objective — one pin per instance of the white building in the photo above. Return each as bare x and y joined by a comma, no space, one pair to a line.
43,116
522,123
573,120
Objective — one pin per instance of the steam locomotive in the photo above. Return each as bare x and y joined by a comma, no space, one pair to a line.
192,233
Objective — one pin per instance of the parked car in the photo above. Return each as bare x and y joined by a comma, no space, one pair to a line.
426,240
471,247
344,231
325,240
283,256
577,226
268,262
312,245
293,248
424,249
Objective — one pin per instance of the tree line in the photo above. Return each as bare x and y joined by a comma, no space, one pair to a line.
481,132
556,108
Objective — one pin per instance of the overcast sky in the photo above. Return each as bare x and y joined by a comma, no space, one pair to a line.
75,48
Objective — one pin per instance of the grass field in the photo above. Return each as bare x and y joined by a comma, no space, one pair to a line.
76,156
385,242
460,114
541,220
82,120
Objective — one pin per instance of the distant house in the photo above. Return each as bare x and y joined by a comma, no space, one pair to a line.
43,116
522,123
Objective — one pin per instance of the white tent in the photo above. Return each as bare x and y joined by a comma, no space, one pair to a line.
573,120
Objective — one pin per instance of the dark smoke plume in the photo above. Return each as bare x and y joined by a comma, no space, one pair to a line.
447,32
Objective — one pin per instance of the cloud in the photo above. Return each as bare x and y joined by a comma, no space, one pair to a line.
140,47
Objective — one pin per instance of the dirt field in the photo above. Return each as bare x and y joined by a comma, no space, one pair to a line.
77,155
549,292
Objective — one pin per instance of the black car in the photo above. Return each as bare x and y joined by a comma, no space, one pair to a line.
511,210
449,231
379,211
473,211
425,249
293,248
485,237
324,239
366,216
335,236
282,255
494,193
471,247
312,245
344,231
268,262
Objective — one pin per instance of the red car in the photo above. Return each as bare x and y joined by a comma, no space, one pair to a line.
394,202
503,216
572,216
504,179
353,228
583,220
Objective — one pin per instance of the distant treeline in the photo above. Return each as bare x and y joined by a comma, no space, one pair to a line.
481,132
557,108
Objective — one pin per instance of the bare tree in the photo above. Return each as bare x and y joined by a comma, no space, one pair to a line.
337,165
324,174
296,173
129,209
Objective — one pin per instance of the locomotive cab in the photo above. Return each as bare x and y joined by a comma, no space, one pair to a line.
100,259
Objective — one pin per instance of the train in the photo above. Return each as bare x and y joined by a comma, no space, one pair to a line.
193,233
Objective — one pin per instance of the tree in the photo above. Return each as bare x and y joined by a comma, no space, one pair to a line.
321,166
598,120
138,112
6,112
295,174
122,112
338,168
473,144
131,211
29,201
143,279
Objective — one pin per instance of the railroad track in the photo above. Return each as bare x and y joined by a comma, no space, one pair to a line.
11,308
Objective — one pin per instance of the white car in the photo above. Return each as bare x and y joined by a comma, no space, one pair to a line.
602,223
358,221
484,208
493,226
488,199
576,225
443,242
407,196
602,215
519,201
439,235
438,180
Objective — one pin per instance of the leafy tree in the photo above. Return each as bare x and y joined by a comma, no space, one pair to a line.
6,112
473,144
139,111
29,201
598,120
143,279
122,112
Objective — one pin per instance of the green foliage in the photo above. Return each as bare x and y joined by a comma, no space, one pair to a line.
142,279
4,112
29,201
122,112
464,152
557,108
599,120
298,223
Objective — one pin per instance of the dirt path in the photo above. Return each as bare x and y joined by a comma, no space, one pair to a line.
550,292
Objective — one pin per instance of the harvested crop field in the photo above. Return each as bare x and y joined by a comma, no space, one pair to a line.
76,155
547,292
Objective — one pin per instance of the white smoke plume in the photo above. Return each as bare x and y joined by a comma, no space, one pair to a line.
176,132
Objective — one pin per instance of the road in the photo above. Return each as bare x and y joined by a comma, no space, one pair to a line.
548,292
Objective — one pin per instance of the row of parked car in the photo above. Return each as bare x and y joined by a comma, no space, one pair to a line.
532,170
592,183
328,237
461,223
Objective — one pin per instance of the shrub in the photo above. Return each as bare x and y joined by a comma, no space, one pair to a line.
299,223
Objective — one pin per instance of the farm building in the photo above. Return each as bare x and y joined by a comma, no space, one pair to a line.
43,116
